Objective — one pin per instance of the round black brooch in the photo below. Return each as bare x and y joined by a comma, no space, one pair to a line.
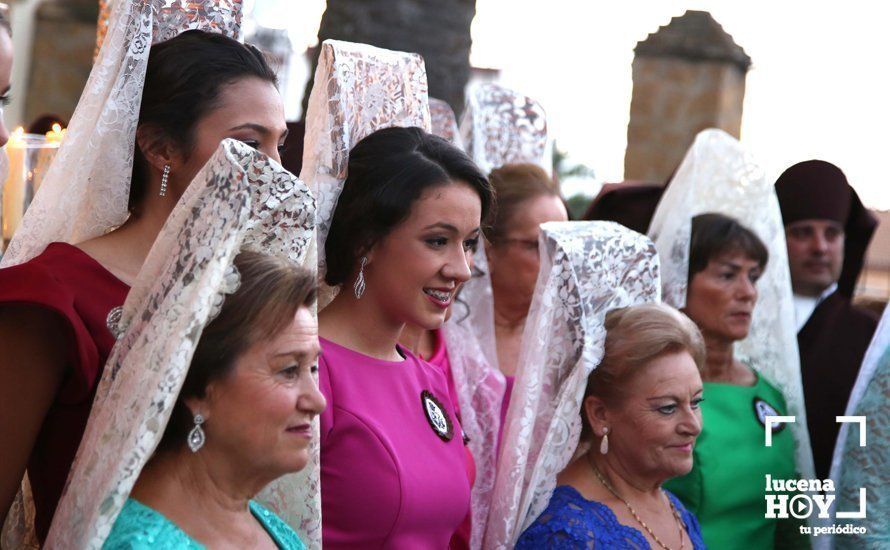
762,409
436,416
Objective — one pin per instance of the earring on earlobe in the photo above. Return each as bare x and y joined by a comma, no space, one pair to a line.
359,287
164,177
196,437
604,444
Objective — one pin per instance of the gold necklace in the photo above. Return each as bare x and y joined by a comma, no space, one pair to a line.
633,512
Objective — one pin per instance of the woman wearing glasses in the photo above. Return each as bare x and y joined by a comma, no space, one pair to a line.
527,197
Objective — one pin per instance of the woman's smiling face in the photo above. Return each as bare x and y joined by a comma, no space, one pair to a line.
413,273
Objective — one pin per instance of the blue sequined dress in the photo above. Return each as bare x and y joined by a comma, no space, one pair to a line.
139,527
571,521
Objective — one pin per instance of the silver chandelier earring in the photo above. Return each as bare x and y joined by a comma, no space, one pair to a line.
196,436
604,444
359,286
164,178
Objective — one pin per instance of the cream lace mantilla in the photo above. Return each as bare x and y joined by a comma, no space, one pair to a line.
239,200
87,187
443,123
501,126
358,89
718,175
587,269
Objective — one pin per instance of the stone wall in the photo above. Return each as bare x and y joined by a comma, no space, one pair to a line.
688,75
61,56
673,100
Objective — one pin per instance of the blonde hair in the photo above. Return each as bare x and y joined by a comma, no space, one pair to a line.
636,336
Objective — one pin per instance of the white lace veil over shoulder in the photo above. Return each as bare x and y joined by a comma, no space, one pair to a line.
239,200
358,90
443,123
587,269
499,126
718,175
854,466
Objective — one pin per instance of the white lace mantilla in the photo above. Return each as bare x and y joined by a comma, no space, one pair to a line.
358,90
87,187
718,175
443,123
479,383
587,269
500,126
239,200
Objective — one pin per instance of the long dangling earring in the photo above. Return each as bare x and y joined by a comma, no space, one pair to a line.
604,444
359,286
164,178
196,436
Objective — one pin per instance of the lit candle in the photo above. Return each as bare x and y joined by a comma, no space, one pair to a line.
14,188
29,158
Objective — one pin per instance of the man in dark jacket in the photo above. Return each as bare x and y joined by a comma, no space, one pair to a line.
827,230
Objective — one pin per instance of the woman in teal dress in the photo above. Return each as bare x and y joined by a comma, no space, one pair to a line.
242,420
726,487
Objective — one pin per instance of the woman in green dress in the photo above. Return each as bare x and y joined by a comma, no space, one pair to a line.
242,419
725,488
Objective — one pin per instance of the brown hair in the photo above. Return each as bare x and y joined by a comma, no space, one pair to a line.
636,336
714,235
513,185
271,291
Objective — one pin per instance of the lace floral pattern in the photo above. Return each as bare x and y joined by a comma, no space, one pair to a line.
587,269
505,127
240,199
358,89
480,385
443,123
501,126
86,189
718,175
854,466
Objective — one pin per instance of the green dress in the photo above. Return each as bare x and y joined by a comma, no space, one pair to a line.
139,527
726,487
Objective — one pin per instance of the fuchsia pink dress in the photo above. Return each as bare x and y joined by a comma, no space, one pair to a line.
394,469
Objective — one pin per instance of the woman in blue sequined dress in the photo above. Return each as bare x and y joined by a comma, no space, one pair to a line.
641,418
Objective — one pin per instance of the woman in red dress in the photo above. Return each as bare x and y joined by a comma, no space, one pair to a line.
199,89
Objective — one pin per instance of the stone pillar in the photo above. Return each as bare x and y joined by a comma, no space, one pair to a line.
64,41
687,76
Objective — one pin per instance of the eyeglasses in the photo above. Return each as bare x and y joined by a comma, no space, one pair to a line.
528,245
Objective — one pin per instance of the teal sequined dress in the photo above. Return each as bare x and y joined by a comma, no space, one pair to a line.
139,527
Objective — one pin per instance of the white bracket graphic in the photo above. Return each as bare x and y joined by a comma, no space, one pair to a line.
855,515
771,421
857,420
